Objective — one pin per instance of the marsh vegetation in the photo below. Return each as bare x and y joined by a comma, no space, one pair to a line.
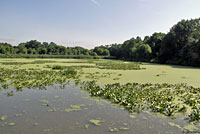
139,88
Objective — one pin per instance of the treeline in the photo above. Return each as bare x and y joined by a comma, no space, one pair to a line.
34,47
181,45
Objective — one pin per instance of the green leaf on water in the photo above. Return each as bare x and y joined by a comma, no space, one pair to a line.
45,101
96,122
4,117
86,126
35,124
132,116
11,124
113,129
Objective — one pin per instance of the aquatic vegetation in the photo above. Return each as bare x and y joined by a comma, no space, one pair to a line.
132,116
74,108
26,100
71,109
10,93
119,65
4,117
159,98
123,128
77,106
35,124
167,99
58,67
45,101
23,63
95,122
22,78
174,125
86,126
18,115
195,115
11,124
52,110
113,129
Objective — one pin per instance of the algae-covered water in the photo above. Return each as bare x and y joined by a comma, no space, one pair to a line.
72,111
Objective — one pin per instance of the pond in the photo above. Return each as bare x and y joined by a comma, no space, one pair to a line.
72,111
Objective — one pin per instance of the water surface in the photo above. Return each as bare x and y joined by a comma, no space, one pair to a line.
56,111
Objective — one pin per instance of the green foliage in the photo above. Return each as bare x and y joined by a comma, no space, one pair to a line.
34,47
195,115
119,66
159,98
181,45
22,78
101,51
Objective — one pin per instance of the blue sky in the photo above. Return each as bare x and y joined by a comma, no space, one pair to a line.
89,23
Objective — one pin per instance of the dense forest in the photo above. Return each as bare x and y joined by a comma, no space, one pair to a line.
181,45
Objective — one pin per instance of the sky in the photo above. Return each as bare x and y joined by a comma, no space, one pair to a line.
89,23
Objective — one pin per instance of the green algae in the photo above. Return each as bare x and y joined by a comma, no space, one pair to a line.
113,129
77,106
95,122
4,117
190,127
45,101
26,100
124,128
10,93
132,116
11,124
52,110
56,96
71,110
18,115
174,125
35,124
86,126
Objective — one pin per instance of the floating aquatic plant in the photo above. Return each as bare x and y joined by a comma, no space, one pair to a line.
4,117
95,122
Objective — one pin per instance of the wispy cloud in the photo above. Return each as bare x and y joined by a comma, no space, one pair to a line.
95,2
10,41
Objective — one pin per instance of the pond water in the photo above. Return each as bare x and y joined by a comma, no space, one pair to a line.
73,111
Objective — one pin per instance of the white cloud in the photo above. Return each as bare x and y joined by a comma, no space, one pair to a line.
95,2
10,41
